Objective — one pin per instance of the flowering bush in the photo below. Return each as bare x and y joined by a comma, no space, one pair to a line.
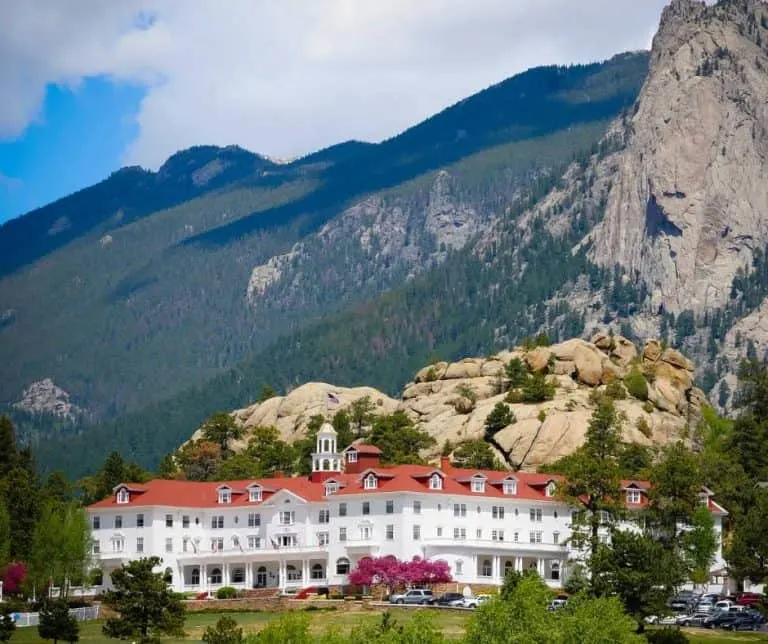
13,576
392,573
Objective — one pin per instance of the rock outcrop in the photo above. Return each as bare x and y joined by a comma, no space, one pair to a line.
45,397
452,400
687,203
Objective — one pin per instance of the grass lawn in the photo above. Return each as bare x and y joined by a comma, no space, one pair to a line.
452,623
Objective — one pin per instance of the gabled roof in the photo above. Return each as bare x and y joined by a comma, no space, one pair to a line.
131,487
363,448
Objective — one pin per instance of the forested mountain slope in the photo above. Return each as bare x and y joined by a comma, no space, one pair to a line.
129,299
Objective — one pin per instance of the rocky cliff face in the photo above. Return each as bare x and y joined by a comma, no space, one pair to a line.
45,397
452,400
687,205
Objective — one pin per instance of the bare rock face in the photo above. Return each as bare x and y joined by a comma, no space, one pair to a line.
45,397
688,205
452,400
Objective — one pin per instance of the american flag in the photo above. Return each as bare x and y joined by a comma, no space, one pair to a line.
333,399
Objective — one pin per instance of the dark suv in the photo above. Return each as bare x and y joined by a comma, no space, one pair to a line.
447,599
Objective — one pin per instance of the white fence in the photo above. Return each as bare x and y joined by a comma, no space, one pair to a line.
84,614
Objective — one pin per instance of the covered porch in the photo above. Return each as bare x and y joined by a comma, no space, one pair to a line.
492,569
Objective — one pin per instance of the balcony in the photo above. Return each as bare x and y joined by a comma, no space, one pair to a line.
362,545
486,545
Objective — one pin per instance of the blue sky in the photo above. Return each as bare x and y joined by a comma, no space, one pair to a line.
282,79
80,138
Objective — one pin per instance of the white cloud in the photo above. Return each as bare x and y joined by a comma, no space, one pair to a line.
285,77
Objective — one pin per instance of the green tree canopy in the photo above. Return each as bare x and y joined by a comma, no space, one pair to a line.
399,440
699,544
517,373
501,416
477,455
7,625
114,471
748,551
537,388
144,602
361,414
221,428
57,624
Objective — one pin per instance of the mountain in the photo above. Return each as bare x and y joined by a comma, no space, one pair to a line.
148,283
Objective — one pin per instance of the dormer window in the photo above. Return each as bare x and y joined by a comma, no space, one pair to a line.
352,456
123,496
331,488
435,482
478,484
254,494
225,495
550,489
371,482
633,497
509,487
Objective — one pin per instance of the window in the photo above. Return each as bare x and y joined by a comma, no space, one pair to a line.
288,541
416,532
479,533
118,544
435,482
556,538
417,507
550,489
96,546
535,536
604,517
497,535
390,532
139,520
168,520
342,534
317,572
185,544
254,542
366,532
497,511
439,531
331,488
287,517
118,522
139,544
238,576
487,568
322,539
352,456
254,520
217,544
342,566
169,544
510,487
366,507
342,509
459,510
459,566
536,515
574,517
603,538
185,521
217,522
123,496
216,576
324,516
225,495
254,494
516,537
460,534
478,484
96,522
633,497
390,507
371,482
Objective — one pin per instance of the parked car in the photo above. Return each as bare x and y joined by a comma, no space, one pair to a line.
413,596
705,606
681,602
696,619
732,621
663,620
448,599
474,602
557,604
749,599
726,605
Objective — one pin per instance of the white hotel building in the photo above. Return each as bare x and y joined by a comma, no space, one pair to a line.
291,533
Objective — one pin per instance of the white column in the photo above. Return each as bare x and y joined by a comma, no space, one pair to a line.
249,575
473,559
519,564
305,572
540,567
225,575
496,563
204,577
283,575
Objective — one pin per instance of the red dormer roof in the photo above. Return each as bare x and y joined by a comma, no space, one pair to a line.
362,448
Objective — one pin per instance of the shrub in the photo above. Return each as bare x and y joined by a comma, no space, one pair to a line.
667,636
500,417
615,390
537,389
226,631
226,592
596,397
570,405
542,415
517,373
648,407
514,396
636,385
466,391
431,375
643,427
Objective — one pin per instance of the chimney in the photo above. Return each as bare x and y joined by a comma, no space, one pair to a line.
279,474
445,463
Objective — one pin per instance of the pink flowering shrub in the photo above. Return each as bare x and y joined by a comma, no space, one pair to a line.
13,576
392,573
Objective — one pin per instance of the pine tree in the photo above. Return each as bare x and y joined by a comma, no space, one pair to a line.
57,624
221,428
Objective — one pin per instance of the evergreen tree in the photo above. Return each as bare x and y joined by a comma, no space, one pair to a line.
226,631
399,440
199,460
517,373
476,455
114,471
167,469
361,414
7,625
144,602
9,448
22,496
57,624
748,552
501,416
700,545
593,481
5,535
267,392
221,428
342,423
537,388
57,488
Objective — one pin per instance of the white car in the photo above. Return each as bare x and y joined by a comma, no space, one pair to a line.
474,602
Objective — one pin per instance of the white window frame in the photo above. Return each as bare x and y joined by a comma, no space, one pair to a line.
550,489
139,545
225,495
324,516
96,522
478,485
497,511
287,517
169,544
509,487
417,507
352,456
217,522
460,534
497,535
254,520
118,521
634,497
323,539
168,520
371,482
254,494
123,496
460,509
140,520
536,515
459,567
342,534
331,488
416,532
217,544
96,547
390,532
254,542
435,482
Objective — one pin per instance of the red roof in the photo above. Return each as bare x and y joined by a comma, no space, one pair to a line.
392,479
362,448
